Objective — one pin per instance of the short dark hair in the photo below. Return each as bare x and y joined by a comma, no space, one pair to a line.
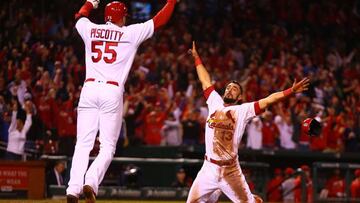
236,82
21,115
58,162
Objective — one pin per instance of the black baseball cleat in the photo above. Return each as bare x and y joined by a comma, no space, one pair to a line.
89,194
71,199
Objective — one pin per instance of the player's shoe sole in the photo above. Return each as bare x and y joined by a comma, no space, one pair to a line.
71,199
89,194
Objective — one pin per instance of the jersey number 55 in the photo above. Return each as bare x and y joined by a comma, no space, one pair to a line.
95,48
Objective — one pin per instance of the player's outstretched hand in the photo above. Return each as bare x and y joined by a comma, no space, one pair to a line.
193,50
14,106
95,3
301,86
28,107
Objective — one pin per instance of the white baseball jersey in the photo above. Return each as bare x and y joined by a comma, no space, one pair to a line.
17,139
254,134
109,53
225,127
110,49
288,190
286,132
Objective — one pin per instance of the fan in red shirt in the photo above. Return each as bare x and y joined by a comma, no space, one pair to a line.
355,185
309,183
66,127
247,174
274,193
318,143
334,134
309,186
25,73
153,124
297,189
336,185
304,139
47,110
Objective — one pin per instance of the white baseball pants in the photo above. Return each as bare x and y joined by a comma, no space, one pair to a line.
100,108
212,178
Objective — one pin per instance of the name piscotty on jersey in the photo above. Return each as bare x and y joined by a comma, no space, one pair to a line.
106,34
109,49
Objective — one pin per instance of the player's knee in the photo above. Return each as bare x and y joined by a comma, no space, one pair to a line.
83,146
107,151
107,147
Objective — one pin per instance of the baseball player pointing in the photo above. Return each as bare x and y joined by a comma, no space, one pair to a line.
110,49
225,126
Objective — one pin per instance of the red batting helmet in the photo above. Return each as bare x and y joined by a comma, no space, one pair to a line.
115,12
311,127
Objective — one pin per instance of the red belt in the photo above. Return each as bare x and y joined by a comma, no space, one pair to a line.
220,162
107,82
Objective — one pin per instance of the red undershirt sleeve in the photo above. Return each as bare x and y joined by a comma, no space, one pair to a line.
163,16
84,10
257,108
208,91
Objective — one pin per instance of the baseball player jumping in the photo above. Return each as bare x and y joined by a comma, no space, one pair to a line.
110,49
224,129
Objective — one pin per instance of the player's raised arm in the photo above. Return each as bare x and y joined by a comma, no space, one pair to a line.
278,96
202,73
86,8
163,16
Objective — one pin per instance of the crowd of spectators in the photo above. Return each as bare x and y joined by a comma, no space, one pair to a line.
287,185
265,45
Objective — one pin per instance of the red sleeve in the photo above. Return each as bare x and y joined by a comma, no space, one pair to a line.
163,16
257,108
208,91
84,10
353,190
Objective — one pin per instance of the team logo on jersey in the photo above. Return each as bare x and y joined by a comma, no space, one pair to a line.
223,123
219,120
